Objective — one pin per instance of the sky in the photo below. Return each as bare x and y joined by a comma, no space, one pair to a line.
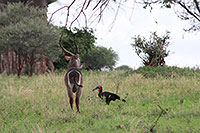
133,20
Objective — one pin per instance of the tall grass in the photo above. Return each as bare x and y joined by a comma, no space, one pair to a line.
40,104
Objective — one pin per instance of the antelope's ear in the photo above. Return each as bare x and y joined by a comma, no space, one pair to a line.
67,58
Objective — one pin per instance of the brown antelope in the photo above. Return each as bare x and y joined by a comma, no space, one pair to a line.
73,78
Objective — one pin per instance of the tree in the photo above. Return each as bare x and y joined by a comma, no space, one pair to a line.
83,38
37,3
24,31
124,68
186,10
152,51
85,8
100,58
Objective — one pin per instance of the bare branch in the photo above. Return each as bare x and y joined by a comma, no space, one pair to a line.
191,13
101,10
81,11
88,4
61,36
119,5
85,19
97,5
56,12
155,123
197,5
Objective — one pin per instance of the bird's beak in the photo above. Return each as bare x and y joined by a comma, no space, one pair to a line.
95,88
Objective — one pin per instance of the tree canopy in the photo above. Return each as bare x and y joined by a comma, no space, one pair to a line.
37,3
100,58
24,30
83,38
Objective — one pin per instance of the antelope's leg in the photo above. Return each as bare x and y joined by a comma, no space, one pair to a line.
78,95
70,94
77,104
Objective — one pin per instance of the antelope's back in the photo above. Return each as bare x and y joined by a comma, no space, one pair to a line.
73,79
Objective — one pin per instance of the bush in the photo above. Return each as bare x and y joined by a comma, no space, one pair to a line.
152,51
165,71
124,68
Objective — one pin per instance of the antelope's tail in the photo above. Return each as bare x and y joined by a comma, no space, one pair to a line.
77,83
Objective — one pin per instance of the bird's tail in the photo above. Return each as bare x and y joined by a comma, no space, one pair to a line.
123,100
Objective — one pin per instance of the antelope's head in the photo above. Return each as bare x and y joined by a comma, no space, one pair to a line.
74,59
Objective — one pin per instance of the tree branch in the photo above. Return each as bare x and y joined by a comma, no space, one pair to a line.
155,123
197,5
56,12
119,5
81,11
191,13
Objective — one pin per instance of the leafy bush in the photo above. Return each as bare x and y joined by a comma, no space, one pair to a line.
152,51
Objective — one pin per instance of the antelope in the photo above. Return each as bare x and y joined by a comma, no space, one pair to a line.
73,77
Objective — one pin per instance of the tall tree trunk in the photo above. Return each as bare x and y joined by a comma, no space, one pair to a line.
8,64
20,65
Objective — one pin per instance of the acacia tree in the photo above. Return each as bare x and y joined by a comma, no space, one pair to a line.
185,9
24,31
100,58
37,3
152,51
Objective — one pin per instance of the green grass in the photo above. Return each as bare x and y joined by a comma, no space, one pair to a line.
40,103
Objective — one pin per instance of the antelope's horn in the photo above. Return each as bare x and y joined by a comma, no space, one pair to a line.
65,49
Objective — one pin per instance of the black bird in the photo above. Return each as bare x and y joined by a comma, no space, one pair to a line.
109,96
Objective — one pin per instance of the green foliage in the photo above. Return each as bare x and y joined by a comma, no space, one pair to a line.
24,30
124,68
166,71
36,3
152,51
83,38
93,58
40,104
100,58
29,37
12,14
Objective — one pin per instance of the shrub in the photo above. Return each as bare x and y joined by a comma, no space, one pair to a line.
124,68
152,51
165,71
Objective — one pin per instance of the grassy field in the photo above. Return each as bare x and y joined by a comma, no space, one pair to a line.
40,103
